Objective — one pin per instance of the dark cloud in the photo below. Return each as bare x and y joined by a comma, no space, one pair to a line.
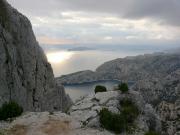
104,21
166,11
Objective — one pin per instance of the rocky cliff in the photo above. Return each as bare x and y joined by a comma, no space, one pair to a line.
155,90
25,75
170,116
156,76
129,68
157,79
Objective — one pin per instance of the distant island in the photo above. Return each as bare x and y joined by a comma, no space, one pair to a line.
81,49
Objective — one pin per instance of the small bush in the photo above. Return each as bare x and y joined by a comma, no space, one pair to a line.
105,118
129,110
151,133
100,88
10,110
112,121
1,133
126,102
119,122
123,87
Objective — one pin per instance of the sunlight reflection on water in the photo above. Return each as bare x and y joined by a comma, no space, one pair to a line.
65,62
59,57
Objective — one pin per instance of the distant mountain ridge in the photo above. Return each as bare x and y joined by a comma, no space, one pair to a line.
157,79
155,75
128,69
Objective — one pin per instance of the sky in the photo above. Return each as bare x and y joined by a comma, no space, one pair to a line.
87,22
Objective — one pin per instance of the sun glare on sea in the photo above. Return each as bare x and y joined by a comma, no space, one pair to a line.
58,57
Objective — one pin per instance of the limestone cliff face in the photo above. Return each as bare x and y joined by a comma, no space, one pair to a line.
25,74
128,69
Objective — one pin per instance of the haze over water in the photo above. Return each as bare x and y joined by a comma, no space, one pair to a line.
151,24
64,61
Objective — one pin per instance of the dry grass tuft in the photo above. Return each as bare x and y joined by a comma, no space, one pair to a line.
18,130
56,127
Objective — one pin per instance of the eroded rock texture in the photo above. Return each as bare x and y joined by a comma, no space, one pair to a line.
25,75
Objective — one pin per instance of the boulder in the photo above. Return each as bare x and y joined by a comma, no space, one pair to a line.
104,97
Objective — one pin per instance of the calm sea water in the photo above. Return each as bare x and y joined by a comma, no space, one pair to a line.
85,60
65,62
80,90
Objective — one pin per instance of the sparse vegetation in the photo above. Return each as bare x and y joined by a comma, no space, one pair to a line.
17,130
129,110
2,132
10,110
119,122
100,88
123,87
55,127
112,121
151,133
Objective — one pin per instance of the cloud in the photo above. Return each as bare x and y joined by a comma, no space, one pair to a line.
103,21
107,38
54,41
166,11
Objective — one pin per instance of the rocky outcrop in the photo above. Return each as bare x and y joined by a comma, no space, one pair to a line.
83,118
164,95
25,75
87,109
157,79
156,76
155,90
170,116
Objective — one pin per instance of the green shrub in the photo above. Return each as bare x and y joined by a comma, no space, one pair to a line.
151,133
129,110
1,133
10,110
105,118
123,87
112,121
126,102
119,122
100,88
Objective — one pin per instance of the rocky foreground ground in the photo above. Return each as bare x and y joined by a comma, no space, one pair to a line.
83,119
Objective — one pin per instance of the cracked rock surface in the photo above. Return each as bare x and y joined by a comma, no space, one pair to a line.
25,75
84,120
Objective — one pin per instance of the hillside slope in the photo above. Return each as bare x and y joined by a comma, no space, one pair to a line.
128,69
156,76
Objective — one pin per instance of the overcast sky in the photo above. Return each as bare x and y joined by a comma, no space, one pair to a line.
103,21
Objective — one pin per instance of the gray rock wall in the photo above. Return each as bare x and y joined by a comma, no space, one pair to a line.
25,74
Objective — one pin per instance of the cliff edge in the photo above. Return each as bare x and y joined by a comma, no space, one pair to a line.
25,75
